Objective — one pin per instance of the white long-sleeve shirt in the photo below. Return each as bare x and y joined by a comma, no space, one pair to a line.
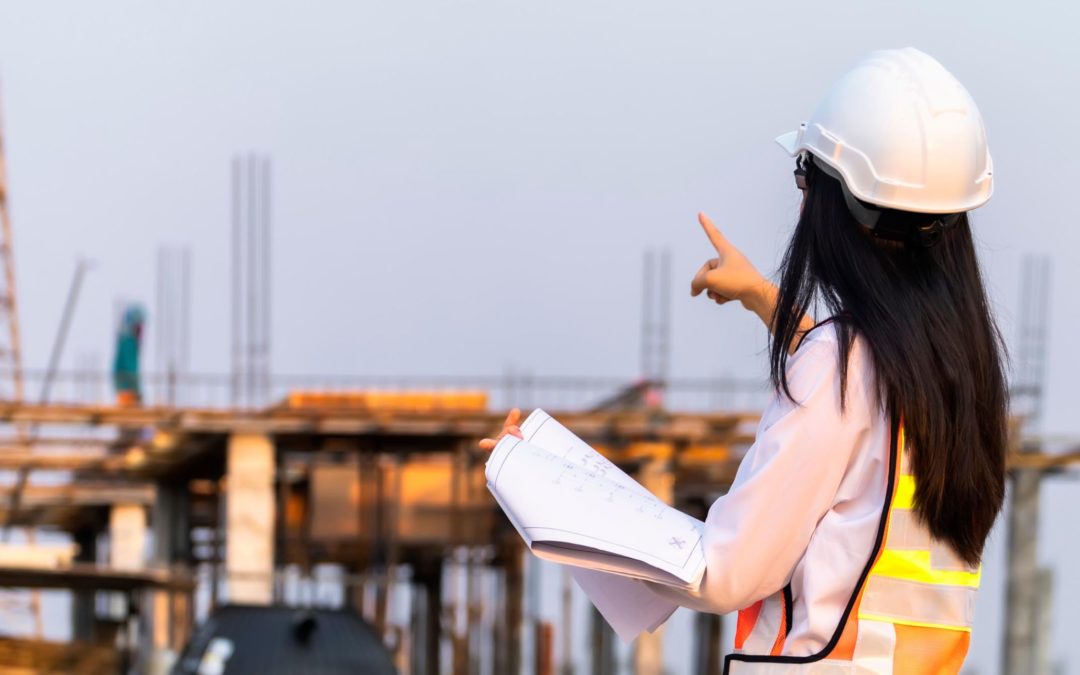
806,501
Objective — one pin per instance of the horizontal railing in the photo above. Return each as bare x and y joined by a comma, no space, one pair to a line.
216,390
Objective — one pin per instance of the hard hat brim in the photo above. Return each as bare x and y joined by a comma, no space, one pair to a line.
789,142
811,138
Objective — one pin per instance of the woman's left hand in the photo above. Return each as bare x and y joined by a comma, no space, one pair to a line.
510,428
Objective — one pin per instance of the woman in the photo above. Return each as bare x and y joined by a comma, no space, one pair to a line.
851,537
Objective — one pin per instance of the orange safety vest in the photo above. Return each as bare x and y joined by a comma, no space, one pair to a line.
910,613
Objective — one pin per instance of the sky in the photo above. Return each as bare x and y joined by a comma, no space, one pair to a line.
462,188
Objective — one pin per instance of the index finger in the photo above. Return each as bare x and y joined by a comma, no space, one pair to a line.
717,239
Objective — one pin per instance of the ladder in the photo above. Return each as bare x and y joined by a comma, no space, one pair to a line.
11,373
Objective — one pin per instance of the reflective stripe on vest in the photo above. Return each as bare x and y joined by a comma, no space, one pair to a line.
911,612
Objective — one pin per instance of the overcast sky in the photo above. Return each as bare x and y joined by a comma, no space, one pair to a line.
462,187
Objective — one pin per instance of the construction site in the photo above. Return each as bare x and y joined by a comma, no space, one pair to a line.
174,494
141,504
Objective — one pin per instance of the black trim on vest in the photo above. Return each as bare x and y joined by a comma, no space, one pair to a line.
789,603
878,543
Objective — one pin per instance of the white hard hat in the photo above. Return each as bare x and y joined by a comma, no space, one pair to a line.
903,133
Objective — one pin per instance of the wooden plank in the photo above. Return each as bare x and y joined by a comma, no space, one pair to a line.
94,577
94,493
18,655
1043,461
184,433
61,461
631,424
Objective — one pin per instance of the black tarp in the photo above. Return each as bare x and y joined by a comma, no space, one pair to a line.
278,640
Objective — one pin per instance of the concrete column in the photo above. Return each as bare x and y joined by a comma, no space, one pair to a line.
127,536
603,646
249,509
127,548
171,540
708,638
515,596
82,604
170,523
657,477
433,620
1022,590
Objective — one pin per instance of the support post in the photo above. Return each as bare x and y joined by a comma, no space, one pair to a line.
171,540
514,562
458,612
657,477
1044,621
127,546
127,536
708,640
544,649
603,645
381,546
567,622
170,523
82,605
249,509
499,635
433,628
417,624
474,629
1023,573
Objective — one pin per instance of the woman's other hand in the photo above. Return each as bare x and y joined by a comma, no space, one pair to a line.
510,428
730,275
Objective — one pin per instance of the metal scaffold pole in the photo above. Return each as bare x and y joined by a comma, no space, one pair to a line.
251,280
10,341
1025,599
10,344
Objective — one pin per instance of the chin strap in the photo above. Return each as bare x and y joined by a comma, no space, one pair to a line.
926,234
881,225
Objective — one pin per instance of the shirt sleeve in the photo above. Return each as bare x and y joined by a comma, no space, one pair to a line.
786,483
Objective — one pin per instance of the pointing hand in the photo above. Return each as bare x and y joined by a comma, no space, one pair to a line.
730,275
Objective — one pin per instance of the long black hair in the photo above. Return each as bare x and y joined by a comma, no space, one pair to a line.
937,354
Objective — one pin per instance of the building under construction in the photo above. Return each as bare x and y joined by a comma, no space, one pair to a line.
247,506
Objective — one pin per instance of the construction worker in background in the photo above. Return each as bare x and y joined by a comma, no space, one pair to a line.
850,540
126,364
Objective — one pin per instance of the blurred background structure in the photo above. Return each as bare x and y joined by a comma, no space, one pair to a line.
459,189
